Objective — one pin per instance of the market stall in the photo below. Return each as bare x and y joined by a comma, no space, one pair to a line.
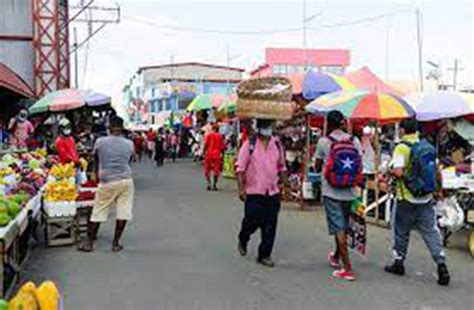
379,109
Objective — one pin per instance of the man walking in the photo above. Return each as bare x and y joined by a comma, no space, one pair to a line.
213,148
415,170
113,155
341,155
260,167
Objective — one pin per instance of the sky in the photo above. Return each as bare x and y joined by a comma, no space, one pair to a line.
160,31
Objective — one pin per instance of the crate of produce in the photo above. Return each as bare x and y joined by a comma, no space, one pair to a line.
265,98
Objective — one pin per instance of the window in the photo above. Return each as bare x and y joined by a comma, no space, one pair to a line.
338,70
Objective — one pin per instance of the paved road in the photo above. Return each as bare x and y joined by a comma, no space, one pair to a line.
180,255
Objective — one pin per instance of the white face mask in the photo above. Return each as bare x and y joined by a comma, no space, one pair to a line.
67,132
266,132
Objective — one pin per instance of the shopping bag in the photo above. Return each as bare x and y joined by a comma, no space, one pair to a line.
357,234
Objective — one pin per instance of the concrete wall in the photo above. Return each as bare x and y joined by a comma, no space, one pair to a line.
16,20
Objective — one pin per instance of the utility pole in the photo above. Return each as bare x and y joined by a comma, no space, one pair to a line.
455,70
76,61
228,67
420,47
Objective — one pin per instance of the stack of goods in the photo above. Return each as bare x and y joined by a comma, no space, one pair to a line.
21,177
44,297
87,191
61,191
265,98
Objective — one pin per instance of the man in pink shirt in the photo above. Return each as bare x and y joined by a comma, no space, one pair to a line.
260,167
21,129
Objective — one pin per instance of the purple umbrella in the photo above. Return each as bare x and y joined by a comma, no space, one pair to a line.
316,84
95,99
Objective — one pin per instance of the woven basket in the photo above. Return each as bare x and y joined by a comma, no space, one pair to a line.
265,98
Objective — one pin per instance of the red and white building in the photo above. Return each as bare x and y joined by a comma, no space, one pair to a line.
288,61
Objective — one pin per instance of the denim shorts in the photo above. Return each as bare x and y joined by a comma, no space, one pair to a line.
337,214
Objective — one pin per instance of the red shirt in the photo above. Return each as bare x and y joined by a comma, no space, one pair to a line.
150,136
214,145
138,143
66,148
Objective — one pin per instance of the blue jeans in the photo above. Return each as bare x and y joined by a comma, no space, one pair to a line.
260,212
422,217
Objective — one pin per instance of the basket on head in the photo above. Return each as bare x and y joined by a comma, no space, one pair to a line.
265,98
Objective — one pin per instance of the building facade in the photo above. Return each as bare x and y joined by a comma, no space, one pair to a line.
287,61
155,91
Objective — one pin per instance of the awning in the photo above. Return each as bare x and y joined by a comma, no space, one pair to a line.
364,78
13,82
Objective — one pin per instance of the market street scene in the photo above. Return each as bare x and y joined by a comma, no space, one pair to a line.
292,154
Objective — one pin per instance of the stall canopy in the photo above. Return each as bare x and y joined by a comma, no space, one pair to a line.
69,99
364,78
13,82
316,84
363,105
208,101
439,105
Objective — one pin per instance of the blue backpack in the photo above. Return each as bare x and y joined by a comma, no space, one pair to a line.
420,175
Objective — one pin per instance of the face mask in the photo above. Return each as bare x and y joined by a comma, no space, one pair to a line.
266,132
67,132
21,118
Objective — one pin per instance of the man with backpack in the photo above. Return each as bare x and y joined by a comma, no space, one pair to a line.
415,169
339,157
260,167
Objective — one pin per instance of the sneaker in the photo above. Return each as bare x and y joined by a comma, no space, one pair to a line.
267,262
396,268
242,250
333,262
443,275
343,274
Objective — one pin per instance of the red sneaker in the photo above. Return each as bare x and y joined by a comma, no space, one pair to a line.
333,262
345,275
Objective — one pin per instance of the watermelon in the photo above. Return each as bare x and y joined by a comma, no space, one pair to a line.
13,209
3,304
4,219
3,205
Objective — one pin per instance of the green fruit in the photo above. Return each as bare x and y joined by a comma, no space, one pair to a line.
3,304
3,206
13,209
4,219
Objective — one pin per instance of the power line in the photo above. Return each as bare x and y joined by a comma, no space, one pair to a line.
265,31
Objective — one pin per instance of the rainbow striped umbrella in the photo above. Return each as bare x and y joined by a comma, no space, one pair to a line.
363,105
68,99
316,84
207,102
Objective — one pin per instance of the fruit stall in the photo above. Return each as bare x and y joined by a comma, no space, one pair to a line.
36,191
22,176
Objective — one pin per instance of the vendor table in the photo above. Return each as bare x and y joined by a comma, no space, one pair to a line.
9,257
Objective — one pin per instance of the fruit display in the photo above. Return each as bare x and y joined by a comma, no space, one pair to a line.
21,177
60,191
63,171
44,297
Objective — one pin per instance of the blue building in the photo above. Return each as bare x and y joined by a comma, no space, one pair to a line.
172,87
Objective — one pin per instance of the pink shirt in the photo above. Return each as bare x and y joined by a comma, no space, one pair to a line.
262,169
21,133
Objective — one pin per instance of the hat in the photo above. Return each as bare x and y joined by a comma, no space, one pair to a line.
64,122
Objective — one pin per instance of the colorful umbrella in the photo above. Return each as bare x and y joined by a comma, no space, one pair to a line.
439,105
206,102
316,84
68,99
363,105
230,104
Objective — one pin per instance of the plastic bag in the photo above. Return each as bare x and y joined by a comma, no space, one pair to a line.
450,214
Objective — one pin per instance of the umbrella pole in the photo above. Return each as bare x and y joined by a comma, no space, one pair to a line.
377,168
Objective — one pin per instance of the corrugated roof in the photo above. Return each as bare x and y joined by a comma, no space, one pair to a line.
191,64
10,80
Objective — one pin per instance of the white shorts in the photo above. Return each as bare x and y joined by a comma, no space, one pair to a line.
121,193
